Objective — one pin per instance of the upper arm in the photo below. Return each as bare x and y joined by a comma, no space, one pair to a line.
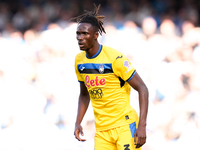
83,90
137,83
78,66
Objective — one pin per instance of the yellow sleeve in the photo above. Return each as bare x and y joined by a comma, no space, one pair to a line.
122,68
79,77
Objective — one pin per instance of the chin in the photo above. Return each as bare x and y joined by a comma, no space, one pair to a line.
82,49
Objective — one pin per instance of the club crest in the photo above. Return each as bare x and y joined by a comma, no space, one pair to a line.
101,69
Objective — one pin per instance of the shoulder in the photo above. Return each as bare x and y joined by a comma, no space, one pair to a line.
80,56
112,52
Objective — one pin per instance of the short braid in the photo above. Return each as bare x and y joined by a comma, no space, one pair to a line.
93,18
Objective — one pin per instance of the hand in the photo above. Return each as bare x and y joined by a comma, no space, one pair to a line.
140,136
79,130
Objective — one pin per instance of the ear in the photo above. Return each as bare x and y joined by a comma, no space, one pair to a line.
96,35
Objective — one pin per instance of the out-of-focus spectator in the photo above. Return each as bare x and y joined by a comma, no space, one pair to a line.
4,15
37,50
187,26
149,26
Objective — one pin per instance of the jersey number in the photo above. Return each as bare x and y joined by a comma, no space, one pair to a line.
126,147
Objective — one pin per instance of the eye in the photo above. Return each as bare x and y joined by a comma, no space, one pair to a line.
77,33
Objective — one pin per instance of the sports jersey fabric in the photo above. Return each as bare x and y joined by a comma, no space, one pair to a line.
105,75
120,138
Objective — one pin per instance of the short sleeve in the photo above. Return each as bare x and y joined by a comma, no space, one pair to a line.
79,77
122,67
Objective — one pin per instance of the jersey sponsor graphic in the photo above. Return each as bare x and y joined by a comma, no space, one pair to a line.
126,147
119,57
94,82
96,93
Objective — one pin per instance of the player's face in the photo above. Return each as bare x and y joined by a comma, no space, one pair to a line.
86,36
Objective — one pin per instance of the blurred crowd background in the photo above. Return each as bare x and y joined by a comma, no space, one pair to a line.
39,89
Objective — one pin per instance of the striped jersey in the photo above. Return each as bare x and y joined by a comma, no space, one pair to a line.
105,75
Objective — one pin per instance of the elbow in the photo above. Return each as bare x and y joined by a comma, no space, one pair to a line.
144,90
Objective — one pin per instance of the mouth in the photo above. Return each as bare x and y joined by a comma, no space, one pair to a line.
80,44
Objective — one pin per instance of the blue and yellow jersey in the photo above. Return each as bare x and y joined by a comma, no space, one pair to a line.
105,75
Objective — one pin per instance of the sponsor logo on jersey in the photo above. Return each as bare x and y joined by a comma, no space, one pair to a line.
96,93
94,82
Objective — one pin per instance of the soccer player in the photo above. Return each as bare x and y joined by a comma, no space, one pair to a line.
106,77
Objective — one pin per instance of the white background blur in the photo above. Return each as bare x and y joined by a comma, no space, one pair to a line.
39,89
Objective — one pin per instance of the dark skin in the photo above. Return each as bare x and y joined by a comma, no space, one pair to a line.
140,135
87,39
84,100
87,36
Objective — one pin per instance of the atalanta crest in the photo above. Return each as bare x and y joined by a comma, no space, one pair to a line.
101,69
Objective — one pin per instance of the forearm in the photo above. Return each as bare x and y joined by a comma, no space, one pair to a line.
143,105
82,108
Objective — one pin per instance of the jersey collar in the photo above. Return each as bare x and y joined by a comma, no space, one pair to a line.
100,48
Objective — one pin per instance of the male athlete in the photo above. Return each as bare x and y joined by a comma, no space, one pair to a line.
106,77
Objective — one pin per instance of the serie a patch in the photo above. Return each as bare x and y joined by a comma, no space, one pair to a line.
126,64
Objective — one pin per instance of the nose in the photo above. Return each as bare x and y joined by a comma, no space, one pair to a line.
79,37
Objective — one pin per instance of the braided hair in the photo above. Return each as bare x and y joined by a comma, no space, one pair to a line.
92,18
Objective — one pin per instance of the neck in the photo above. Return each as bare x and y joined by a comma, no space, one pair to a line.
93,49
